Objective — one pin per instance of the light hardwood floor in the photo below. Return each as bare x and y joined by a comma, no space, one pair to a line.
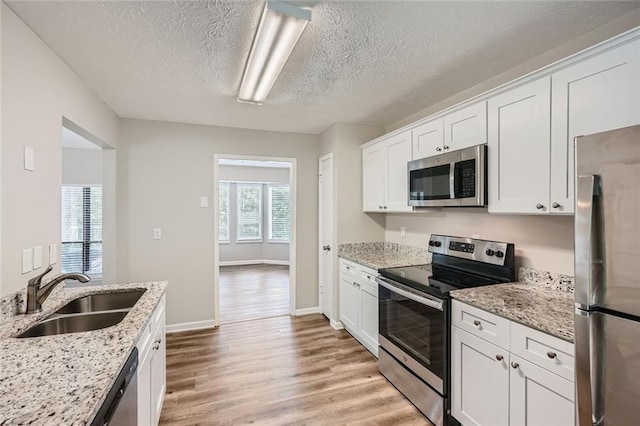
278,371
253,291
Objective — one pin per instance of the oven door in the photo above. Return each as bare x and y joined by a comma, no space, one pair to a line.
412,328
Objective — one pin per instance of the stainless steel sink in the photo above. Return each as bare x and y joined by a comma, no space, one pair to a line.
74,324
102,302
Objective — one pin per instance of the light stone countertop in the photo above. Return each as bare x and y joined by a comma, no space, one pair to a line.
380,255
64,379
541,300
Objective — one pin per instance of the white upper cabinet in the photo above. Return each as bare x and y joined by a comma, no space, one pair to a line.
466,127
460,129
384,174
519,145
428,139
373,181
592,96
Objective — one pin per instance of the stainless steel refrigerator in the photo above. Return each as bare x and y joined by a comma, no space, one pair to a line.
607,278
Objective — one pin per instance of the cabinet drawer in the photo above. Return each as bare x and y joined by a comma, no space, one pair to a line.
483,324
546,351
350,268
368,275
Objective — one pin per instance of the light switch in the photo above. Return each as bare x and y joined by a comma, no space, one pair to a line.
29,159
53,254
27,261
204,202
157,233
37,257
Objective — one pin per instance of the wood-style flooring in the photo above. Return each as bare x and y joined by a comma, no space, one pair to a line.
278,371
253,291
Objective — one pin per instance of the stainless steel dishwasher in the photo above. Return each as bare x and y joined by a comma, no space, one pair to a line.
120,408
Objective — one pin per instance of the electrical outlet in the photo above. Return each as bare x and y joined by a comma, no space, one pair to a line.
204,202
157,234
476,236
403,232
29,159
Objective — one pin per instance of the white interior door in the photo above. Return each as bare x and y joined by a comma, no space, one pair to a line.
327,250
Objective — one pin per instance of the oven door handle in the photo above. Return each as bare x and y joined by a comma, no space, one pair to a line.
436,304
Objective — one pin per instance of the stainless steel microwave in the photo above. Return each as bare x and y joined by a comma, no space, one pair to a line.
456,178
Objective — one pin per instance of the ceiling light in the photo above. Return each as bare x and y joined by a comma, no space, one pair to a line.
278,32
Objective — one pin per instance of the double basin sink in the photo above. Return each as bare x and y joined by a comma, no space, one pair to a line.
87,313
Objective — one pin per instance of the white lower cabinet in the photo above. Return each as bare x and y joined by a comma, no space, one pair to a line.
152,381
512,385
359,303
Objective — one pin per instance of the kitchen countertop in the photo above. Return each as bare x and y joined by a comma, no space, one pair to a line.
547,306
64,379
380,255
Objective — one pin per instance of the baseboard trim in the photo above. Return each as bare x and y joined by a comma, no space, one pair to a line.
188,326
254,262
308,311
336,325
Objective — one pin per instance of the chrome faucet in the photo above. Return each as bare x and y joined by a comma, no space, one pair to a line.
36,295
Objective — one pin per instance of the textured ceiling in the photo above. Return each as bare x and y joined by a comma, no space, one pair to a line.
369,62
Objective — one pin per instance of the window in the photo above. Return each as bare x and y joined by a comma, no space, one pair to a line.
82,230
249,212
279,213
223,211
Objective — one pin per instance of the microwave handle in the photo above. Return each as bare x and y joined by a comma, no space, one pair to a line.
452,180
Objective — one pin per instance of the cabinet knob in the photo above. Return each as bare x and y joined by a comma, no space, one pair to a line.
438,149
551,355
326,248
556,205
446,147
380,207
476,323
384,207
499,357
539,206
515,365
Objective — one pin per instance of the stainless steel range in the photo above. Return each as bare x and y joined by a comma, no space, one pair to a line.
414,320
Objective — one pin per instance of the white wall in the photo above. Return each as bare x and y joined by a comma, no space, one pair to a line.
252,251
38,90
542,242
81,166
163,170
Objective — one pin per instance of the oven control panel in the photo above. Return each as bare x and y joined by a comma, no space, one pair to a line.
493,252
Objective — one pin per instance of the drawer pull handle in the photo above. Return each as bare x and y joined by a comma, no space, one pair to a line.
476,323
499,357
515,365
551,355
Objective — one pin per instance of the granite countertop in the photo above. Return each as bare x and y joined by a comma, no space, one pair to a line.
545,303
64,379
380,255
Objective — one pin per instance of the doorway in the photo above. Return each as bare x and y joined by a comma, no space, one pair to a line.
254,229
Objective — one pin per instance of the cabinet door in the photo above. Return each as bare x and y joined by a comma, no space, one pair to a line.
398,154
144,388
427,139
479,380
158,372
369,317
349,303
596,95
466,127
519,146
539,397
374,177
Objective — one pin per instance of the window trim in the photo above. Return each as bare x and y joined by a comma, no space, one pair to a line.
239,240
228,239
270,218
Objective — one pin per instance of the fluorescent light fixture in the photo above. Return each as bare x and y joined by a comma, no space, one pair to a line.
280,28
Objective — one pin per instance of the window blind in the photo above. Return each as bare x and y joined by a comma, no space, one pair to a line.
223,211
81,249
279,212
249,212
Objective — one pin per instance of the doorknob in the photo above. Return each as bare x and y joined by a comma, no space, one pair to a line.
326,248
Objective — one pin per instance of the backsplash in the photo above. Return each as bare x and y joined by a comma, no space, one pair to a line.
560,282
400,250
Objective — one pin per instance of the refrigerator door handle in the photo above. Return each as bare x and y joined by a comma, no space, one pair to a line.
588,259
589,328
